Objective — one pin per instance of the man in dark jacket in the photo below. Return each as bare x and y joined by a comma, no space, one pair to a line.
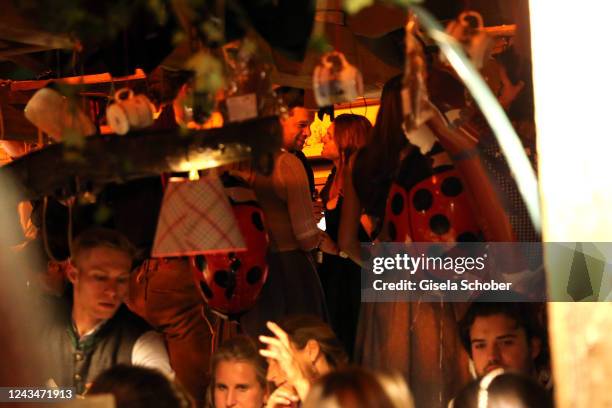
96,331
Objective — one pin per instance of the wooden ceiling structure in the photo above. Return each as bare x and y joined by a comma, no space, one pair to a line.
372,40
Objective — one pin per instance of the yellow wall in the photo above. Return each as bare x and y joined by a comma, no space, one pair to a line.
313,145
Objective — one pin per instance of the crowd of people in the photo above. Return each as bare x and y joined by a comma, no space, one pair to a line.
308,341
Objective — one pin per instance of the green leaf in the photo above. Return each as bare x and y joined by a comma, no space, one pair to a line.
354,6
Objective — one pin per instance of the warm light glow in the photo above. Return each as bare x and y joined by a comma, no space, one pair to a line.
571,69
572,85
318,128
197,164
194,175
215,121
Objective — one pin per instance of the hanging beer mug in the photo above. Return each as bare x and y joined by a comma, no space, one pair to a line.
468,30
248,92
335,80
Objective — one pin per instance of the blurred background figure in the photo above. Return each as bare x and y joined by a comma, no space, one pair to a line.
20,352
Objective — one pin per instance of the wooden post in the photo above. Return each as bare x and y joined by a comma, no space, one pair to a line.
572,86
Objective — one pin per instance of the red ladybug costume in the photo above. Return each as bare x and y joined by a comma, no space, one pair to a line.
434,210
231,282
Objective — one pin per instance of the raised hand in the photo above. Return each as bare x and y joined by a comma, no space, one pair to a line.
280,349
284,396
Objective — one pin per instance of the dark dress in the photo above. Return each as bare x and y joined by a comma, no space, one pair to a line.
417,339
341,277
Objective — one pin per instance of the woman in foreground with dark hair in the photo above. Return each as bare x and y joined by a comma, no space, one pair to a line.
303,349
358,388
140,387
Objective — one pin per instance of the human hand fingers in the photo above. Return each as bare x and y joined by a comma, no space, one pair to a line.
278,332
271,341
283,396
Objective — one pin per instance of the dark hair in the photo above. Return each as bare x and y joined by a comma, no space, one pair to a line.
240,348
351,132
377,163
96,237
525,314
302,328
519,390
292,97
139,387
351,387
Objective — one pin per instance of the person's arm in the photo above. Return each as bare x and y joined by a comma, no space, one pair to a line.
150,351
299,203
348,234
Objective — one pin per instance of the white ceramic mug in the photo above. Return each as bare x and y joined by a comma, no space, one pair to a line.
129,111
335,80
52,113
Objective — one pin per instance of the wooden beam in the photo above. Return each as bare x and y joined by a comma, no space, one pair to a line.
19,34
94,79
57,169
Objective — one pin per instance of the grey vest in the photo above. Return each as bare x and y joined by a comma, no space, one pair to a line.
74,363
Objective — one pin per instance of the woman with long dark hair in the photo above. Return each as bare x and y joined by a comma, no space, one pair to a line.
341,276
410,337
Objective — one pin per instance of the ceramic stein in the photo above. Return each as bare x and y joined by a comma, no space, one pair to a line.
53,113
128,111
335,80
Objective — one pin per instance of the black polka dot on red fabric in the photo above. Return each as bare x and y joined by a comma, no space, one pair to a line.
392,230
451,187
206,290
254,275
222,278
467,237
439,224
422,200
200,262
397,204
235,264
257,220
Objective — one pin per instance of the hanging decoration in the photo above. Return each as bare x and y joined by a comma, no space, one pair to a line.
231,282
196,218
248,89
415,99
335,80
57,115
467,29
128,111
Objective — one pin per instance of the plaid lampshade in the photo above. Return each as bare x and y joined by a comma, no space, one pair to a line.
196,218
